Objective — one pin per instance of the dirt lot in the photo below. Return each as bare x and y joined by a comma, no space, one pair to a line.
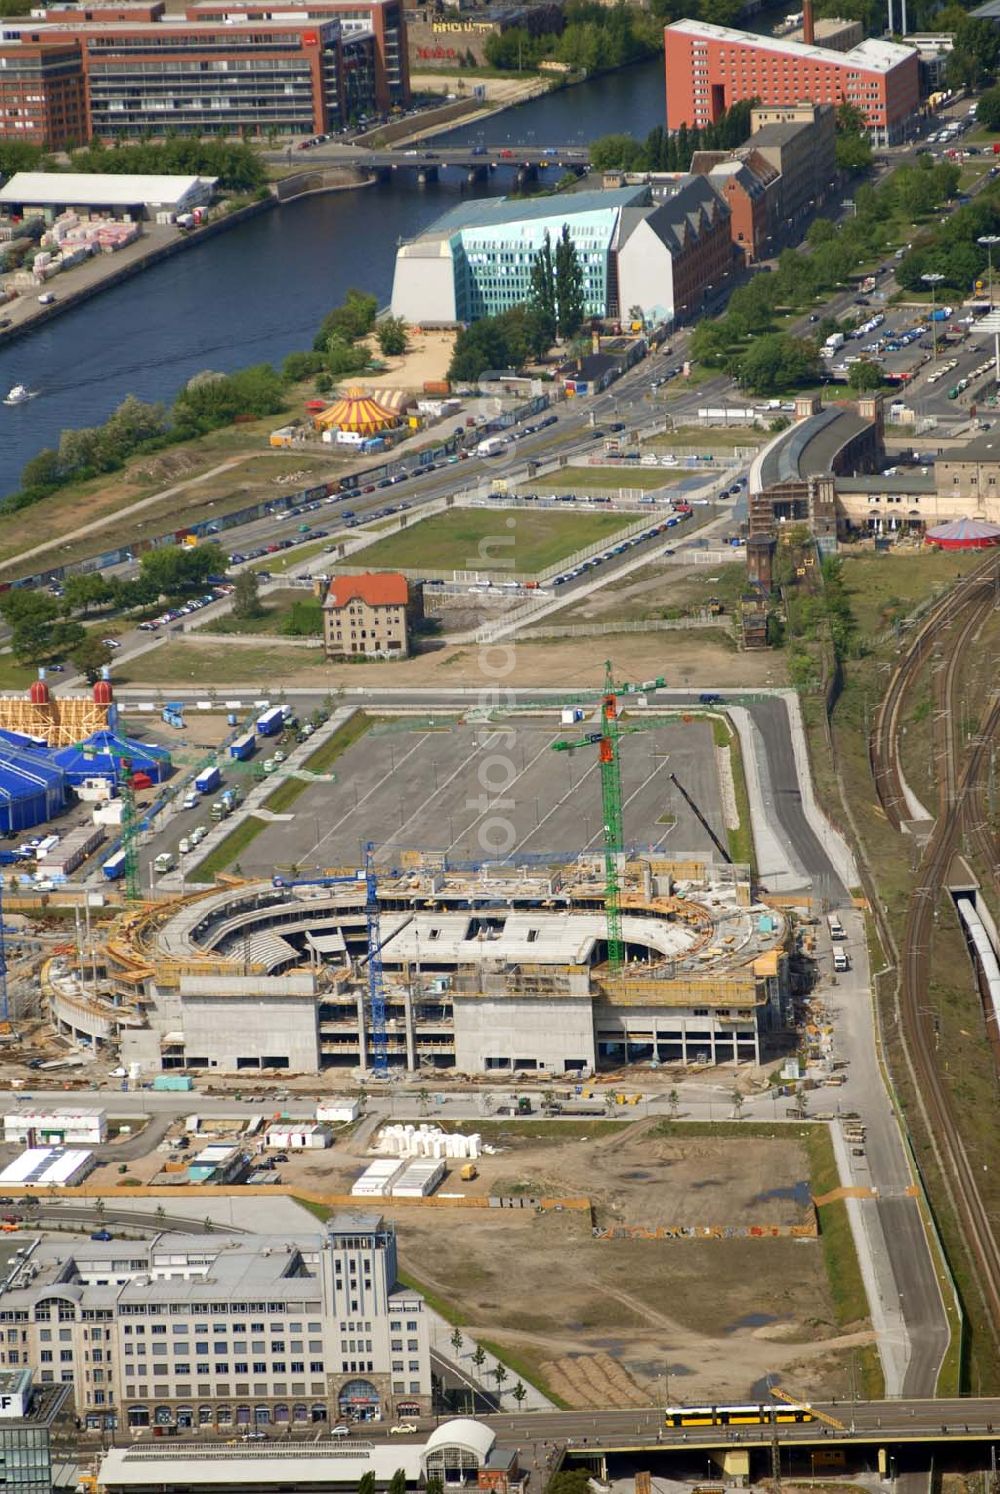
597,1319
572,663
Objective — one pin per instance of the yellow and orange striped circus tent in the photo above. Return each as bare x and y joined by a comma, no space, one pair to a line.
357,411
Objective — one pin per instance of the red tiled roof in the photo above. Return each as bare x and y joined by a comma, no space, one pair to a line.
378,589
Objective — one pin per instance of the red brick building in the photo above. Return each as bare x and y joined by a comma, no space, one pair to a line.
42,95
709,68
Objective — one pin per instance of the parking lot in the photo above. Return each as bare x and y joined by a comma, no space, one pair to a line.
496,791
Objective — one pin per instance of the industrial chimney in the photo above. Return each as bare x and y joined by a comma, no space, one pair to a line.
808,28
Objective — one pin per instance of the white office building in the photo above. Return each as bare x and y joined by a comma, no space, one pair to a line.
219,1331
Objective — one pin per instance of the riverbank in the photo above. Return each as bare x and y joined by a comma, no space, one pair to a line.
158,242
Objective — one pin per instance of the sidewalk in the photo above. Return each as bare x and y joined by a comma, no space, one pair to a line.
441,1344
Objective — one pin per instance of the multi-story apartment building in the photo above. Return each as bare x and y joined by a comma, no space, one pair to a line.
41,94
384,19
222,1331
370,614
710,68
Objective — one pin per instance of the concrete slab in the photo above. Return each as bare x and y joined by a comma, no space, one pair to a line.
496,791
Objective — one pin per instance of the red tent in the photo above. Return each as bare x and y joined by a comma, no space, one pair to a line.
964,534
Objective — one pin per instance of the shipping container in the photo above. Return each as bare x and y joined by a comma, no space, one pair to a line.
244,746
208,779
272,721
173,1082
114,867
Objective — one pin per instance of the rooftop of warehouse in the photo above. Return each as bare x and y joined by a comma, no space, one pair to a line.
808,448
874,55
107,188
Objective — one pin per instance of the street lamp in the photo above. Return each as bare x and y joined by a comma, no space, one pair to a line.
988,240
933,280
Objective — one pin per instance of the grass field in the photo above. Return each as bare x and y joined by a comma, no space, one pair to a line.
186,663
881,586
476,539
228,849
600,479
277,607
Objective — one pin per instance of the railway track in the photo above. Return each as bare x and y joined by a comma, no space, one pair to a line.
950,625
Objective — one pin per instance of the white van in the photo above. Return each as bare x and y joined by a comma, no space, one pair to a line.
164,863
184,846
840,961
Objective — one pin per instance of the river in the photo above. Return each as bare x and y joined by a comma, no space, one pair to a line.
258,292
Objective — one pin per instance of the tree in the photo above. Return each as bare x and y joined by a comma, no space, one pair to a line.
33,642
366,1483
569,1481
988,112
246,595
91,655
569,285
738,1103
975,53
342,357
519,1393
21,606
710,343
89,589
175,569
299,366
479,1359
673,1103
457,1340
397,1484
542,292
499,1375
864,376
778,362
391,335
353,318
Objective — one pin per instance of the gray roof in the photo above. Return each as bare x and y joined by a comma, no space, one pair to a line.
988,12
779,132
808,449
902,482
676,218
490,211
983,448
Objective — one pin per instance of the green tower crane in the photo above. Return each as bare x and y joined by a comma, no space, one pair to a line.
607,741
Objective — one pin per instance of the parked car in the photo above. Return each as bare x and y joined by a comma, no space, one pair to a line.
403,1429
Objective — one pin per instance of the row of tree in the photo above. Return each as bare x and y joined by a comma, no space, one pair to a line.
44,630
593,37
237,165
661,151
207,402
950,246
744,341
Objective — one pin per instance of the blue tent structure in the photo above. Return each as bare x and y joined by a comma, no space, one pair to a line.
32,788
99,757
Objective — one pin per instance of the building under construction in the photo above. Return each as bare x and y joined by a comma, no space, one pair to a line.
498,970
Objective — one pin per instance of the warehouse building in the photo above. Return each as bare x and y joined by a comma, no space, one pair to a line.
112,192
482,975
224,1332
665,254
709,68
60,1127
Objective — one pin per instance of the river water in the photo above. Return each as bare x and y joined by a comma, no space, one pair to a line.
258,292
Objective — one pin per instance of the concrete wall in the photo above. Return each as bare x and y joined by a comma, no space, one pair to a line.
645,275
253,1028
516,1029
423,287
